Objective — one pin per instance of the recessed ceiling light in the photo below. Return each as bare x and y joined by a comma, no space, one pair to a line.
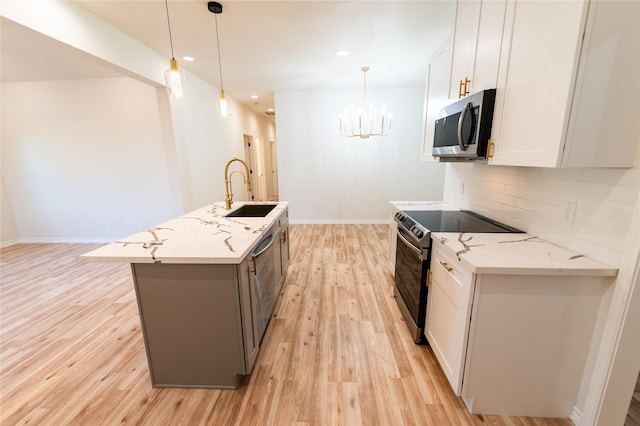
270,109
342,52
188,58
254,96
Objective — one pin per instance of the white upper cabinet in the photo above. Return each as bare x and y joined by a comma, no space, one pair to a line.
471,57
567,91
477,40
465,31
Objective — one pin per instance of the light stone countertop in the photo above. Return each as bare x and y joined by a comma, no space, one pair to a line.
518,254
202,236
423,205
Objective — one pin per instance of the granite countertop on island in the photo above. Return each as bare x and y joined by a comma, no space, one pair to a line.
203,236
518,254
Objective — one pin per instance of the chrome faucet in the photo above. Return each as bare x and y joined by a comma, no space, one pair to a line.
227,181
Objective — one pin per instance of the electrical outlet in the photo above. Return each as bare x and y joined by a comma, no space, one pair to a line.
570,211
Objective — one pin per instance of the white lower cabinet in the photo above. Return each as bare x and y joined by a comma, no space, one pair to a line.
448,311
511,344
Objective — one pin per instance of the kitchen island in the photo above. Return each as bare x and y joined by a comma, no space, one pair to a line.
206,285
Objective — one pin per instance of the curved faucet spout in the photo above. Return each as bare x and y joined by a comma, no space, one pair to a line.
227,180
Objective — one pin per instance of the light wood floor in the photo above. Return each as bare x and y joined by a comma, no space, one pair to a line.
336,352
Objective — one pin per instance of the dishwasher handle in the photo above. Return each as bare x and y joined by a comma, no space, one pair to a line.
257,248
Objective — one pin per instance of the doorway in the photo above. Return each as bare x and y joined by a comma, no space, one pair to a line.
263,168
274,171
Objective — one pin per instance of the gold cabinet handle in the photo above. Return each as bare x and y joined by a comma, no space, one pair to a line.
446,266
489,154
463,89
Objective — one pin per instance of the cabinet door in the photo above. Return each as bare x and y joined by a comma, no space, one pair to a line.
465,34
250,317
487,45
436,96
277,260
448,313
541,44
603,128
476,45
284,250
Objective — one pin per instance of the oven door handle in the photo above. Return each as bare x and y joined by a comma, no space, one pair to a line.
409,244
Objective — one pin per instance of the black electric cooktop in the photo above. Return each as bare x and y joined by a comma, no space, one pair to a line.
457,221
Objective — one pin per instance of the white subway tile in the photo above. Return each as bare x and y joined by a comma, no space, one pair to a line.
534,200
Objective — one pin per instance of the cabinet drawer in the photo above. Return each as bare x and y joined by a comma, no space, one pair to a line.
446,266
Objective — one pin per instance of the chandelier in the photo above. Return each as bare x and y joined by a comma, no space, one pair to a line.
366,121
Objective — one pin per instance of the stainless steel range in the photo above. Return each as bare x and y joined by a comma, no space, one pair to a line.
413,255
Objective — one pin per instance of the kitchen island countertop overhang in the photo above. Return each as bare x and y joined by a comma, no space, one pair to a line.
203,236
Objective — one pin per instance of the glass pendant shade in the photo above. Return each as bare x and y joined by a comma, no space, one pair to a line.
224,106
174,80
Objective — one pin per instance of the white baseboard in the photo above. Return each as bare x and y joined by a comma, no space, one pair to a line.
9,243
576,415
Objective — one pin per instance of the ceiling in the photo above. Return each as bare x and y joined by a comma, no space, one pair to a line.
266,46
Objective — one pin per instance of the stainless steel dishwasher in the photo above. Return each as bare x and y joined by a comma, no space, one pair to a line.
265,280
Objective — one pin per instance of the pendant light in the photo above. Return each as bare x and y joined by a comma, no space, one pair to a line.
366,121
173,78
216,8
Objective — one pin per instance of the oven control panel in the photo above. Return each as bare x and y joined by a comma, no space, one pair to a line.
415,229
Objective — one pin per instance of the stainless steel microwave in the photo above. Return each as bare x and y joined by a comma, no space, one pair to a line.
463,132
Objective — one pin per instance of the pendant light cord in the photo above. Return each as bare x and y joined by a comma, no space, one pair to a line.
219,60
166,5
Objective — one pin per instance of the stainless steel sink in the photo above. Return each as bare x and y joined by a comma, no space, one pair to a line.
252,210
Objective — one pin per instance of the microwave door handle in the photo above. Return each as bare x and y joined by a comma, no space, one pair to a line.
463,115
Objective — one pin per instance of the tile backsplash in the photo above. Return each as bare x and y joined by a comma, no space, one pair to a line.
587,210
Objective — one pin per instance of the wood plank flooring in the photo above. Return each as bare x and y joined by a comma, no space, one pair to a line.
337,351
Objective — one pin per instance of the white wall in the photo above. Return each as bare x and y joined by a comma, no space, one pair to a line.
84,159
103,158
205,142
8,231
99,159
328,178
534,200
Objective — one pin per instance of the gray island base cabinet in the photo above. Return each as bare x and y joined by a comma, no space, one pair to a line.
197,323
206,284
